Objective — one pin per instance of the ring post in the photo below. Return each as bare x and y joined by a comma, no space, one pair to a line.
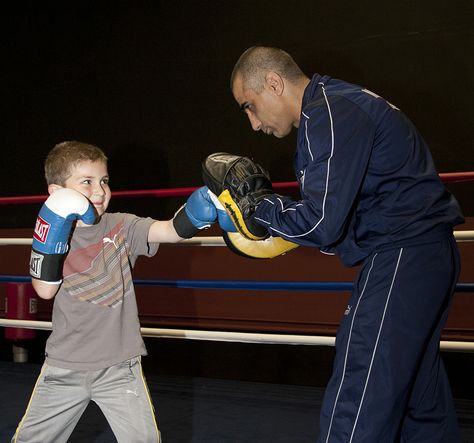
21,303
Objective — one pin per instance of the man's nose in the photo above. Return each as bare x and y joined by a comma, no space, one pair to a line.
254,122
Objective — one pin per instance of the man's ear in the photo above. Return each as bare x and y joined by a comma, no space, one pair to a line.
52,188
274,82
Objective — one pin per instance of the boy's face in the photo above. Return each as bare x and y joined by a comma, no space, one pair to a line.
91,179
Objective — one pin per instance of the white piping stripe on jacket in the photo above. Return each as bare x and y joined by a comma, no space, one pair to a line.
327,174
376,344
306,136
347,347
302,179
281,207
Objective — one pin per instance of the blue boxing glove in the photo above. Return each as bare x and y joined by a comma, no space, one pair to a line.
52,230
197,213
225,222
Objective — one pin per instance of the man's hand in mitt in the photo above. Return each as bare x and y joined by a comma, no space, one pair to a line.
240,185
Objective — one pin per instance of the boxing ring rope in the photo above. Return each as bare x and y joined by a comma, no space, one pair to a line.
447,177
244,337
460,236
229,336
245,285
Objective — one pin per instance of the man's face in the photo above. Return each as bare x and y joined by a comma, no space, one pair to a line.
91,179
266,111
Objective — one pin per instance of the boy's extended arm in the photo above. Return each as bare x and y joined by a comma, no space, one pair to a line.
163,231
198,213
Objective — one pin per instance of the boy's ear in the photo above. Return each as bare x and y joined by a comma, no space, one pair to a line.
53,187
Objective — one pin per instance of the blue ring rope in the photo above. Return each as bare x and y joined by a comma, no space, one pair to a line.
248,285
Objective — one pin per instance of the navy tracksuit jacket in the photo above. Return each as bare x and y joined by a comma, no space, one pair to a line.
370,194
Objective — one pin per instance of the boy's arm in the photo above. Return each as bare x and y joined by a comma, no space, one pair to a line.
163,231
45,290
198,213
51,238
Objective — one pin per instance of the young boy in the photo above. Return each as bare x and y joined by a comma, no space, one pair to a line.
82,257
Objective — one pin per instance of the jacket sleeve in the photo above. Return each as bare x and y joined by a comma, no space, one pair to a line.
338,140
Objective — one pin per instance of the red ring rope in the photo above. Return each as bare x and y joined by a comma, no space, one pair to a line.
448,177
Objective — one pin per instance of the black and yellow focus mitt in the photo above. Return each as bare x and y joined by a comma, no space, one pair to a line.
267,248
240,185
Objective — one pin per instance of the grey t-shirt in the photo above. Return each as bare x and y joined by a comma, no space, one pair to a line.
95,316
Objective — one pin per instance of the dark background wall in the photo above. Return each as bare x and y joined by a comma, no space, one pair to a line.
150,85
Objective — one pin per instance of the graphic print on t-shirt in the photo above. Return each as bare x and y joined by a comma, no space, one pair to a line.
100,274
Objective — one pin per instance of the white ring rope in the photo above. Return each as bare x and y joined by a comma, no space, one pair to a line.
227,336
243,337
460,236
198,241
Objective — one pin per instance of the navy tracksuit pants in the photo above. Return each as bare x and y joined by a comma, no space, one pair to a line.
388,382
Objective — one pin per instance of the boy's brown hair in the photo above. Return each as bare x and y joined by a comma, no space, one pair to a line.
64,156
